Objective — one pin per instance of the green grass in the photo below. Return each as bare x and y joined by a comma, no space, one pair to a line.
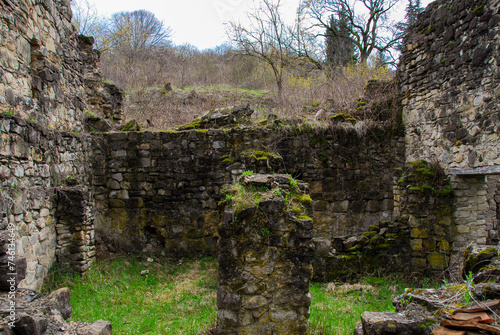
228,88
181,298
336,309
171,299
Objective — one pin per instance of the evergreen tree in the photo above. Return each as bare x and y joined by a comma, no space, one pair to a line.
380,60
412,10
339,46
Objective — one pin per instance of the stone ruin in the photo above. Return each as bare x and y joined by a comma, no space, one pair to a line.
27,312
265,258
418,195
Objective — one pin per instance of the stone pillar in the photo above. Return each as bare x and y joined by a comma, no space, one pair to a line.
75,229
424,201
265,258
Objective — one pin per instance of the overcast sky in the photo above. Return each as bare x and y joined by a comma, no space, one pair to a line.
197,22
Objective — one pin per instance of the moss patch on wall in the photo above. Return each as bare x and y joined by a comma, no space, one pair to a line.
428,178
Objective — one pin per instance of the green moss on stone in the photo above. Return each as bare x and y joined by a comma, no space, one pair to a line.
427,178
132,125
342,117
193,125
306,200
479,8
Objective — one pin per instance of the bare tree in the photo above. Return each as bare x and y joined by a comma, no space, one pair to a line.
304,45
85,17
266,38
134,33
368,22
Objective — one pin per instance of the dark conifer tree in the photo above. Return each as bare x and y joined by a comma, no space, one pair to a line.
339,46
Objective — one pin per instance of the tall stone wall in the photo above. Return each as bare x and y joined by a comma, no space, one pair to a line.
48,73
450,80
41,72
37,168
48,79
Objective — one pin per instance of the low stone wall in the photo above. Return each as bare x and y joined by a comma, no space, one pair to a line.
36,165
378,251
75,228
163,189
265,259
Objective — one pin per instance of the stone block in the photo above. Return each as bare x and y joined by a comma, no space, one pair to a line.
30,325
419,263
444,245
61,300
341,206
382,323
419,233
5,242
99,327
113,184
12,271
372,206
438,261
416,244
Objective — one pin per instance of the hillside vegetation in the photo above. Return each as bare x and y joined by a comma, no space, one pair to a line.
162,97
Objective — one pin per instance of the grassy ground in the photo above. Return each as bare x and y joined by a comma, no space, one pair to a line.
336,309
170,299
180,298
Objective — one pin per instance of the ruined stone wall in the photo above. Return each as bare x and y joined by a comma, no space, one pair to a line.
38,167
450,79
163,189
40,64
424,203
48,74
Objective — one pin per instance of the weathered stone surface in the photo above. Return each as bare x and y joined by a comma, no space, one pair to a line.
481,259
178,189
5,240
99,327
12,271
36,314
424,201
264,269
449,75
30,325
61,300
385,323
486,291
220,118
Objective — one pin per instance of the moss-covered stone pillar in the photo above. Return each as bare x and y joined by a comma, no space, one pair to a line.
424,200
265,257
